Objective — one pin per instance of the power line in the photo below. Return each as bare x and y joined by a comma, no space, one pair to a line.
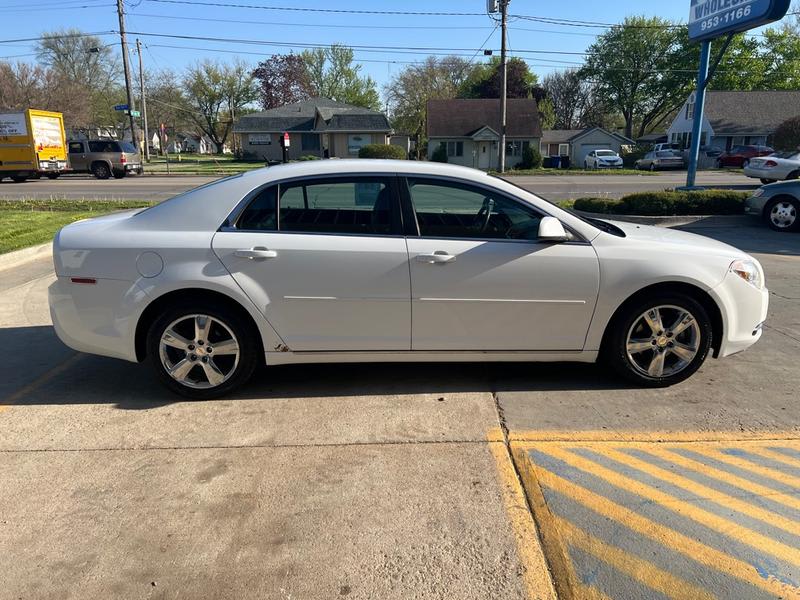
60,37
323,10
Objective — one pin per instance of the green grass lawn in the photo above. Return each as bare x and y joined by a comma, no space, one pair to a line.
557,172
26,223
202,164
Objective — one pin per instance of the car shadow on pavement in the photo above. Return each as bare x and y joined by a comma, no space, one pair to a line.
754,238
46,372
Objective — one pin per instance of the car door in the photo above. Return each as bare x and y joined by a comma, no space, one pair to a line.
77,156
481,280
325,260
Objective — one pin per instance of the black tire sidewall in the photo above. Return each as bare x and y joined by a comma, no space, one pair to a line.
249,349
615,350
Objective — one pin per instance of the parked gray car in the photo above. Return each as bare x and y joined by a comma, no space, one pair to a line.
778,204
104,158
660,159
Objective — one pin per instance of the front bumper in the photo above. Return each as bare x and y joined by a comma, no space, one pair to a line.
744,310
754,206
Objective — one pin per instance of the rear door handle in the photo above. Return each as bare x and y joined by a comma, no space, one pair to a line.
255,253
439,257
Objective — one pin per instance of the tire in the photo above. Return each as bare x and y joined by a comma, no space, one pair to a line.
793,175
53,175
641,366
652,167
234,369
767,181
101,171
783,214
119,174
19,178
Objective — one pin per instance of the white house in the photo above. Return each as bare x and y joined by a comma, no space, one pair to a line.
736,118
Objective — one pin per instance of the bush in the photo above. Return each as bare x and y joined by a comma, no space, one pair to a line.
309,157
440,154
382,151
531,158
671,203
787,135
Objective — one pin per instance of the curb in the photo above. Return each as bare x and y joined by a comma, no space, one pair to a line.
26,255
673,221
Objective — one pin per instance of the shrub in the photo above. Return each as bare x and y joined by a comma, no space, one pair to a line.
678,203
787,135
382,151
531,158
440,154
309,157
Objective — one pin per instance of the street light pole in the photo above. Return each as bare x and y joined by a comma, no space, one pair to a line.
127,68
504,84
144,103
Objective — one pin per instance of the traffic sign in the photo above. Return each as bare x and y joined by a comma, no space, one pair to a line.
135,113
709,19
286,142
121,107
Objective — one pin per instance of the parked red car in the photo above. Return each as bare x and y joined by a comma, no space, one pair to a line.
738,156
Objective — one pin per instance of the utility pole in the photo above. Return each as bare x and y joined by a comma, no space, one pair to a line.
144,103
127,67
504,84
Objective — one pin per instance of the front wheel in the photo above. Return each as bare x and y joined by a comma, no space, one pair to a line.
202,351
53,175
781,214
660,340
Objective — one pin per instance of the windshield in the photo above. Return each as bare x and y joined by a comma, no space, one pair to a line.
606,153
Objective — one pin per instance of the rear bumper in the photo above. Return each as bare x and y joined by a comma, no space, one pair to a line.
744,310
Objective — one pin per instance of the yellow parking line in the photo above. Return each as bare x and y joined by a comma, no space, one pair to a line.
708,493
745,535
735,480
536,575
776,456
669,538
649,436
27,389
636,568
747,465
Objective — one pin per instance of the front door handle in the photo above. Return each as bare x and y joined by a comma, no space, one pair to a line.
255,253
440,257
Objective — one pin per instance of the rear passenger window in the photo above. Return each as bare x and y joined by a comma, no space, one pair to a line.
261,214
364,205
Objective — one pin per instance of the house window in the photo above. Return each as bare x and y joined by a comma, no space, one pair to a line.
455,148
356,142
259,139
690,110
516,147
563,149
309,142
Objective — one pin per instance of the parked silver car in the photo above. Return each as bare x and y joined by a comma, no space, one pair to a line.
779,166
104,158
660,159
778,204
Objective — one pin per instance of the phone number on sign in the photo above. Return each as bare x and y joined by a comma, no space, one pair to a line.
729,17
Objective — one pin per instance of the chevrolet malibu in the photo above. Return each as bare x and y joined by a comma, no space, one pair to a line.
366,261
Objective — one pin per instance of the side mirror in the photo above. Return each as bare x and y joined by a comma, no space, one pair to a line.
551,230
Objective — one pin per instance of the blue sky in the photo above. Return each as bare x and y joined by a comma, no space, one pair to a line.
21,20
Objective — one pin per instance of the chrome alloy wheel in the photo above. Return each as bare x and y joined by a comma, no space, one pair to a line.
663,341
199,351
783,215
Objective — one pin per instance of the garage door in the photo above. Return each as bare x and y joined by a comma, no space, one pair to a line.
584,149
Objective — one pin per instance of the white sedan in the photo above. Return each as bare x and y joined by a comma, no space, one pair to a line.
368,260
779,166
602,159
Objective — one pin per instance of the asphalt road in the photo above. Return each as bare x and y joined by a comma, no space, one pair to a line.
394,481
552,187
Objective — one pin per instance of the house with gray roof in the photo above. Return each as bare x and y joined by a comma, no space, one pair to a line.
578,143
736,118
318,127
469,130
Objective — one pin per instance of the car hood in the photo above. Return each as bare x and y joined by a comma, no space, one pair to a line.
690,243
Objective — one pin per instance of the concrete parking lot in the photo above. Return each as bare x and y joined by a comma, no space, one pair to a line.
396,481
552,187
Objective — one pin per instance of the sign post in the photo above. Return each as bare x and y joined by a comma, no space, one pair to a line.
285,143
708,20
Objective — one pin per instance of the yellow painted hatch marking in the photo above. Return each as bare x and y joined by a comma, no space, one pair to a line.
748,465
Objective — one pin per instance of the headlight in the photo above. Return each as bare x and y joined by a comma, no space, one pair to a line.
748,270
758,193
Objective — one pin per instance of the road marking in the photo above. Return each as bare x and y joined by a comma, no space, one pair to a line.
43,379
536,575
748,465
753,558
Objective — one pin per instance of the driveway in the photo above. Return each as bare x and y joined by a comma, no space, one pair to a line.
394,481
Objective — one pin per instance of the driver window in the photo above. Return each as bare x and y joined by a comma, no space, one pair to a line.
454,210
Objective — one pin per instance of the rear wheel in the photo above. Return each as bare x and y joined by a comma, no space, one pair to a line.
20,178
119,174
781,214
202,351
101,171
660,340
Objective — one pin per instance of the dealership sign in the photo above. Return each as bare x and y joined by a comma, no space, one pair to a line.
712,18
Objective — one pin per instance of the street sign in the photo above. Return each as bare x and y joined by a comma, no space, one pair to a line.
286,142
135,113
121,107
709,19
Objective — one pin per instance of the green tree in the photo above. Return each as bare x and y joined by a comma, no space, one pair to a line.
484,81
780,58
407,94
741,67
215,93
332,74
787,136
643,69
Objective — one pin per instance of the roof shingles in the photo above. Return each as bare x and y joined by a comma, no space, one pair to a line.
463,117
757,112
302,116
